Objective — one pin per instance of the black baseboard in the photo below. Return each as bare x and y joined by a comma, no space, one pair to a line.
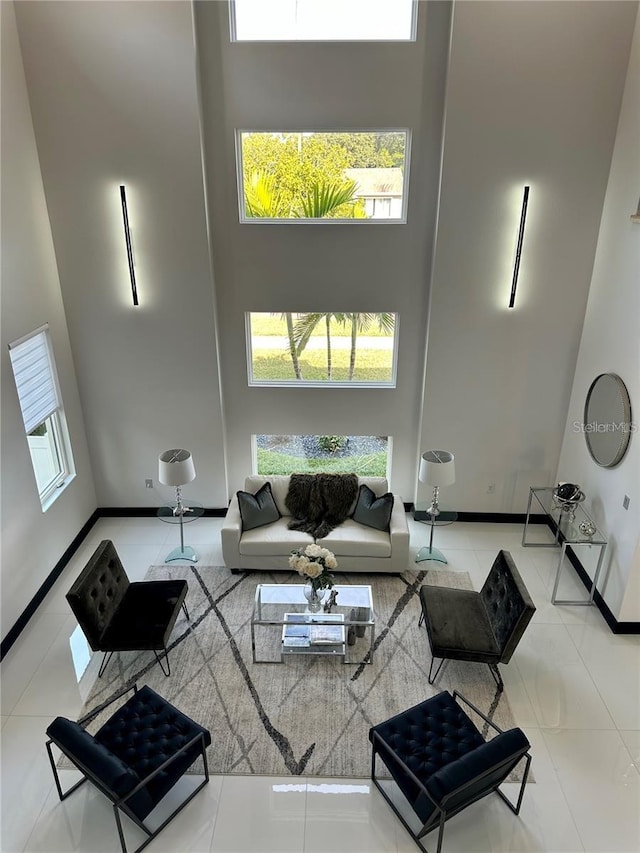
150,512
52,577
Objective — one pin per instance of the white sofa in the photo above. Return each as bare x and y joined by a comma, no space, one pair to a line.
358,548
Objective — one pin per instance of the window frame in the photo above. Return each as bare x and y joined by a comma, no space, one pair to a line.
53,417
413,37
259,220
318,383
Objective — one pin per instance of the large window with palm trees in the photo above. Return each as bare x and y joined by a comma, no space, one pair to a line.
310,176
322,349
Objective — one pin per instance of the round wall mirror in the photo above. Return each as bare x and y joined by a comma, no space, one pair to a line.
607,420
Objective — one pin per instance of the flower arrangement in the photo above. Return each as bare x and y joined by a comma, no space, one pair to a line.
314,563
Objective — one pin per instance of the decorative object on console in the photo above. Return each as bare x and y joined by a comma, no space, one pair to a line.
587,528
176,468
436,469
315,564
567,496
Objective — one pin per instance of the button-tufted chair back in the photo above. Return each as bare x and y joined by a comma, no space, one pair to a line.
98,591
507,603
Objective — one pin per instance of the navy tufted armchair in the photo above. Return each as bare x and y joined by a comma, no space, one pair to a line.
483,626
441,763
136,757
119,616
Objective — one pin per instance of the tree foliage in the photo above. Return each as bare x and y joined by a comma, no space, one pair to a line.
289,165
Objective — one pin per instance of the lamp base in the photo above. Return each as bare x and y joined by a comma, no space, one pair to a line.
426,553
186,553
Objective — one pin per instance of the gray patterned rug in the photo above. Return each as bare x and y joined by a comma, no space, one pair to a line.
310,715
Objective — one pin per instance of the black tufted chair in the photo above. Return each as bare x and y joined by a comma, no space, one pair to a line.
136,757
119,616
483,626
442,764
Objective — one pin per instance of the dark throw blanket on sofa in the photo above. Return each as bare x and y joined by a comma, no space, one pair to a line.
320,502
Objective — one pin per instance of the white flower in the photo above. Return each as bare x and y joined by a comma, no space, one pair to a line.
314,551
313,570
331,562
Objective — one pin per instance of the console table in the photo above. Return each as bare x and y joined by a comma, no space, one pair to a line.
566,524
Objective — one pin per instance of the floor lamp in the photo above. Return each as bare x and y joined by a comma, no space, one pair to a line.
436,469
175,468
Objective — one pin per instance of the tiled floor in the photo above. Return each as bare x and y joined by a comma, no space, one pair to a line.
574,688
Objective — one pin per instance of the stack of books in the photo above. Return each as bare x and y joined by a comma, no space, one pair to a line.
303,630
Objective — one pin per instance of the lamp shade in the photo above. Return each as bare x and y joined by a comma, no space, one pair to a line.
437,468
175,467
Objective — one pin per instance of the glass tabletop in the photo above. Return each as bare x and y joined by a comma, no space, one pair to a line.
273,601
568,521
191,511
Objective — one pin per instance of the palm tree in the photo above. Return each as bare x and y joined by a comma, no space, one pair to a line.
360,323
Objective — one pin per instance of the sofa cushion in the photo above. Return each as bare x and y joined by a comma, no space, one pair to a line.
372,511
259,509
351,539
273,540
279,488
378,485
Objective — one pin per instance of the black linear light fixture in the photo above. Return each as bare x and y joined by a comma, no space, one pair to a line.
127,237
516,264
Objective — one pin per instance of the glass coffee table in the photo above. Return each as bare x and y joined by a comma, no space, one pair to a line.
280,614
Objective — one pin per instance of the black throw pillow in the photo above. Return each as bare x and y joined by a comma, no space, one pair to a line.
373,511
259,509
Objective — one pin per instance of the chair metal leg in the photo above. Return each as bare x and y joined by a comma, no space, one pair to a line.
516,809
61,794
103,665
166,671
432,677
186,612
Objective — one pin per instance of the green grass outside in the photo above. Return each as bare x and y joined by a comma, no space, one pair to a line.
273,324
369,465
371,365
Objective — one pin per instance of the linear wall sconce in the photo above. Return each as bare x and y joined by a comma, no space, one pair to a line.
516,263
127,237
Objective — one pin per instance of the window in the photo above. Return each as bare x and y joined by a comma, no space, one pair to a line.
351,176
45,426
324,350
323,20
365,455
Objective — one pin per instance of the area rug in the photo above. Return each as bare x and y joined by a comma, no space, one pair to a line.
309,715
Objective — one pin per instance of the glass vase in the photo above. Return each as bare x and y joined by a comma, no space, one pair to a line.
314,597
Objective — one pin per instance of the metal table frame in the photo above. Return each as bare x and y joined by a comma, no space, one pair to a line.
566,533
299,602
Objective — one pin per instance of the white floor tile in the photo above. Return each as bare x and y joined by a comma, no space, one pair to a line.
601,786
26,778
559,686
347,816
26,655
260,813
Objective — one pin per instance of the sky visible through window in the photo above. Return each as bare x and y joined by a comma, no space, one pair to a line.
323,20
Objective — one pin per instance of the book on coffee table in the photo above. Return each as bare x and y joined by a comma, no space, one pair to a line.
325,633
296,631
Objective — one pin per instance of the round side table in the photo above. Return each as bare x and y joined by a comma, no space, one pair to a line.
190,511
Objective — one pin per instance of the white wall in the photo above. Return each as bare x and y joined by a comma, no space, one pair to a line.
323,267
32,541
114,100
533,98
611,344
